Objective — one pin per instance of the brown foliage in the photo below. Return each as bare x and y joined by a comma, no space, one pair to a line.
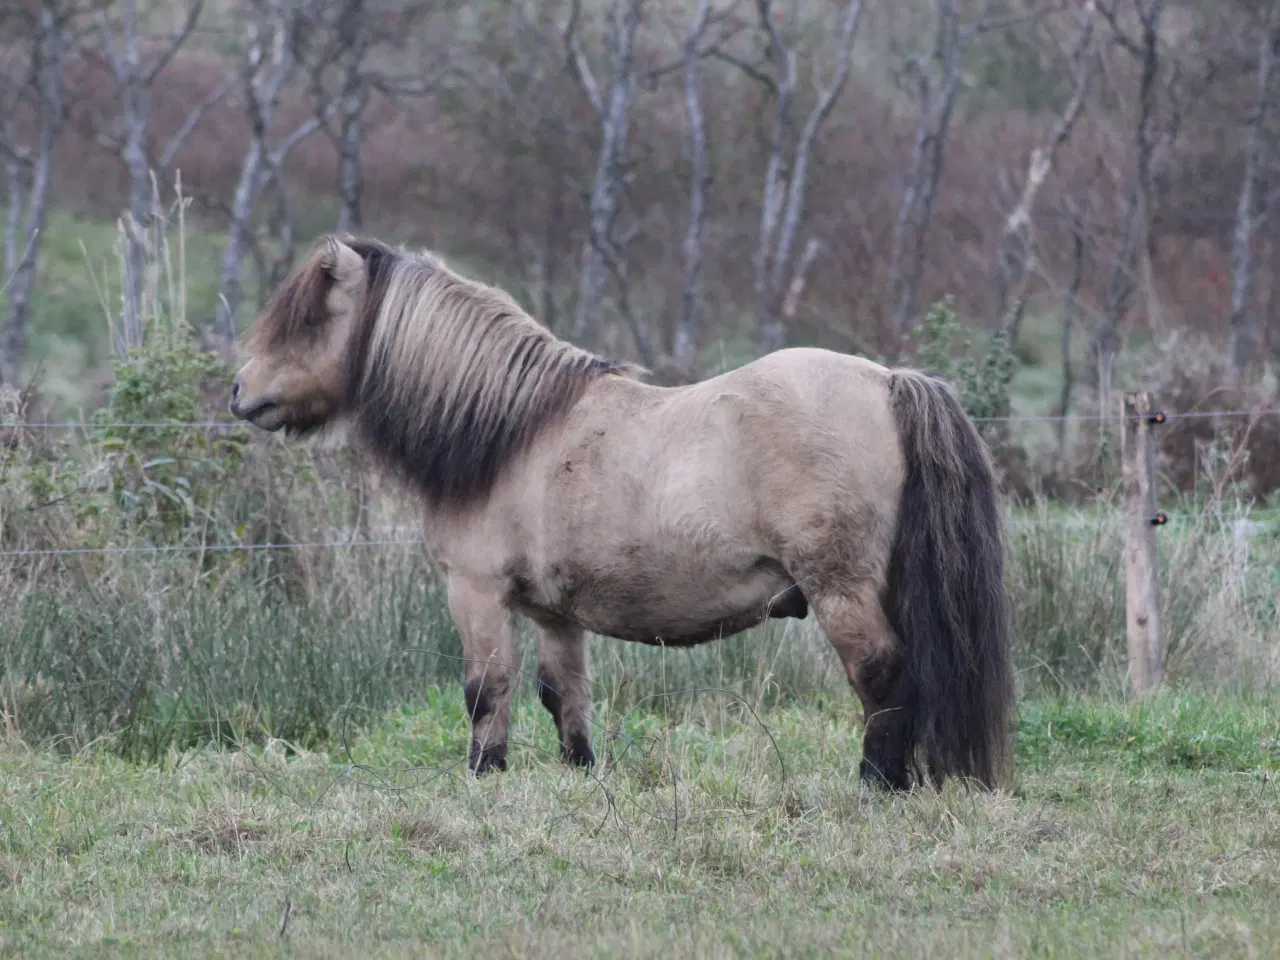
1212,453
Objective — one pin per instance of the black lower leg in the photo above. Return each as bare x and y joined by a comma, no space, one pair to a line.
575,745
884,761
887,742
486,755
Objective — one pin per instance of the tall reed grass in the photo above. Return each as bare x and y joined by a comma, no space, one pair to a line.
152,651
1219,584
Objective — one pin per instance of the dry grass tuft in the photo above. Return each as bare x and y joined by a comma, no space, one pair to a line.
230,833
422,834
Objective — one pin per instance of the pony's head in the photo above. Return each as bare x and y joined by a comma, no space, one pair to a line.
447,380
297,369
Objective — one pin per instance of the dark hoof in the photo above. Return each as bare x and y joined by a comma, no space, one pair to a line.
885,777
491,759
577,752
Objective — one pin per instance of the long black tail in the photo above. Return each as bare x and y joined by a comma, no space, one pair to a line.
945,594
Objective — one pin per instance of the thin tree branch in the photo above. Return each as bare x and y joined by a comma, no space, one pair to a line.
176,41
578,60
206,103
755,73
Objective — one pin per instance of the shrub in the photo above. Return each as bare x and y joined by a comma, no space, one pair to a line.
982,378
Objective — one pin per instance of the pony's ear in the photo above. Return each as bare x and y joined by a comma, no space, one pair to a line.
340,261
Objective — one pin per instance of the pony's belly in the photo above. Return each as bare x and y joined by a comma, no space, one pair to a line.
684,611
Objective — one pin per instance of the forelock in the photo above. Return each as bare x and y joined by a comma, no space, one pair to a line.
296,312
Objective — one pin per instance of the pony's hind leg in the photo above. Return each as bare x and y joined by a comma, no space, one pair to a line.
873,660
564,686
487,629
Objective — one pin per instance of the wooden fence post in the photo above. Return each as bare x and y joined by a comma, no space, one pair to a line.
1142,597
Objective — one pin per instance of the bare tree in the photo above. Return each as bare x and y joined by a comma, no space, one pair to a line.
937,79
938,82
269,62
602,251
787,168
685,342
47,33
1070,311
121,42
350,38
1249,210
1016,252
513,94
1139,195
349,42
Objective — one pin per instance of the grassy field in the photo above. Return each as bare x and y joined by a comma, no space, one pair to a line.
1140,831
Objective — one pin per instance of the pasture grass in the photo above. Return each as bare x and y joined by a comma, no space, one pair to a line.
1148,830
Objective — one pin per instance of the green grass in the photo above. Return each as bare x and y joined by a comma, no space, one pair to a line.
1139,831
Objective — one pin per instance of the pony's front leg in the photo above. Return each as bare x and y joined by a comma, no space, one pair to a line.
487,629
564,686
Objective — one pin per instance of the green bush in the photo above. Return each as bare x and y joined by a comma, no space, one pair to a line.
982,378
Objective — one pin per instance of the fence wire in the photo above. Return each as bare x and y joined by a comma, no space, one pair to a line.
1030,418
1075,518
208,548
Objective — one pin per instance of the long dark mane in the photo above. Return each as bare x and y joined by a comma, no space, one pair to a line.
449,379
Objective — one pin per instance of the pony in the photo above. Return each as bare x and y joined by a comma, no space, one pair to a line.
559,486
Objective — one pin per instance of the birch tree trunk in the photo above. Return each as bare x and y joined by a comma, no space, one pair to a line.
1249,213
782,207
685,344
612,105
30,175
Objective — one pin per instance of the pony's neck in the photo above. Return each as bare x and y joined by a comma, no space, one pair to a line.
452,448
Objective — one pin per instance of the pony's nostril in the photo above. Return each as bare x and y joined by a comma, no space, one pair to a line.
235,389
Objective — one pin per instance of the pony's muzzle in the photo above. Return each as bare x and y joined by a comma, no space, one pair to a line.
253,411
234,406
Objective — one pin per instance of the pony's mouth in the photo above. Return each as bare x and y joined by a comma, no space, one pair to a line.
265,414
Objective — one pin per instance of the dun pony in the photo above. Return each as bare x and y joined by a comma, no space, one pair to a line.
558,486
